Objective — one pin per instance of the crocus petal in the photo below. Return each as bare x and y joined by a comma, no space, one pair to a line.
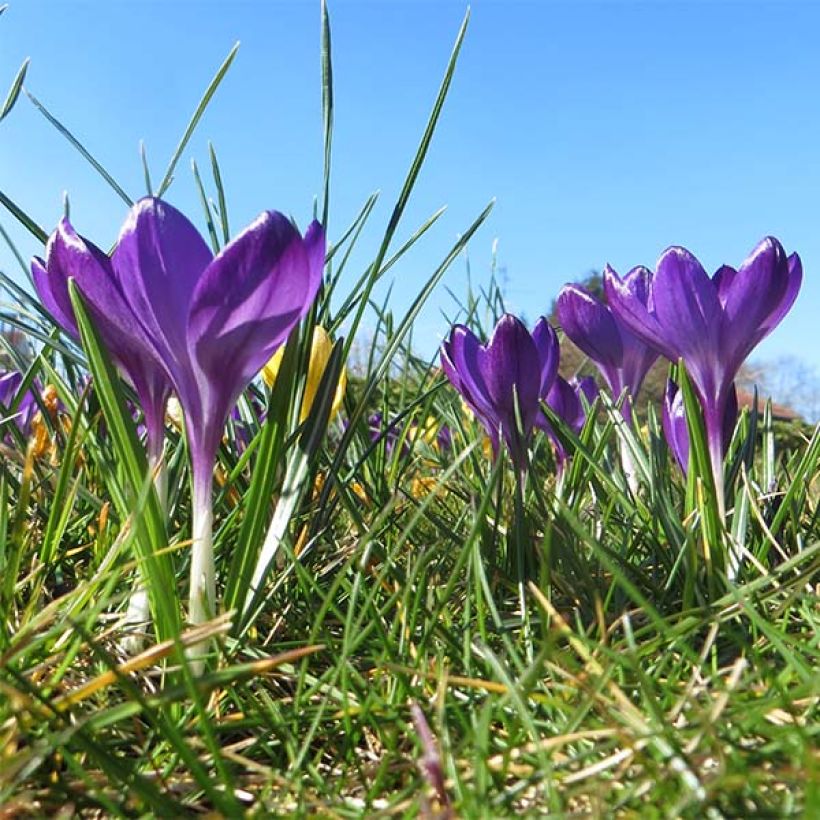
586,387
68,255
511,370
158,261
243,307
630,299
756,292
590,325
564,401
674,424
723,278
52,288
253,294
686,305
795,279
9,385
459,360
546,343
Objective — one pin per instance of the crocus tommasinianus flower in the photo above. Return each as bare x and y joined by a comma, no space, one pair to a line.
712,323
68,255
503,381
564,399
211,322
622,357
675,428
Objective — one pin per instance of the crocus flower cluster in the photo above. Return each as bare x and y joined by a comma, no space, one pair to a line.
176,317
504,381
710,323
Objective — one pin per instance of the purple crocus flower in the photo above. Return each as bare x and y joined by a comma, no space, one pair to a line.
564,399
675,429
444,439
210,322
378,430
622,357
10,382
504,380
711,323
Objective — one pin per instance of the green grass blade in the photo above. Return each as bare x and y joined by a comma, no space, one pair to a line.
194,121
82,150
14,91
149,521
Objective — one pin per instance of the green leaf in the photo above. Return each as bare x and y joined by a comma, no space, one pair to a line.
265,468
296,478
151,537
194,121
327,108
14,91
83,151
220,193
24,219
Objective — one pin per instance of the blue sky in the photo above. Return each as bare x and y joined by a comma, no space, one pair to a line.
605,131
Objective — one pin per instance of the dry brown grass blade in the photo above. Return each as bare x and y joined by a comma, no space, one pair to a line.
150,657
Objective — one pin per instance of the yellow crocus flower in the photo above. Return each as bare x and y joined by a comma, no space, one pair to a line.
320,348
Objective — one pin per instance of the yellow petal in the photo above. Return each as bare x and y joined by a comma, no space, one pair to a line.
320,349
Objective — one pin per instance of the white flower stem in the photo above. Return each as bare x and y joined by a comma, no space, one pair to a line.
718,476
202,600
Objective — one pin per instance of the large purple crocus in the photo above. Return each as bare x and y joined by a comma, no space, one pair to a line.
622,357
210,322
504,380
711,323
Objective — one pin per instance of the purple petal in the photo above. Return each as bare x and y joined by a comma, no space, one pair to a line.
590,325
253,294
686,304
243,308
723,278
630,300
511,370
459,360
757,292
586,387
563,399
795,279
52,288
71,256
9,385
546,343
674,424
159,259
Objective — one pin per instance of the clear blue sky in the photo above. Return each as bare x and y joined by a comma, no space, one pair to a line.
606,132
